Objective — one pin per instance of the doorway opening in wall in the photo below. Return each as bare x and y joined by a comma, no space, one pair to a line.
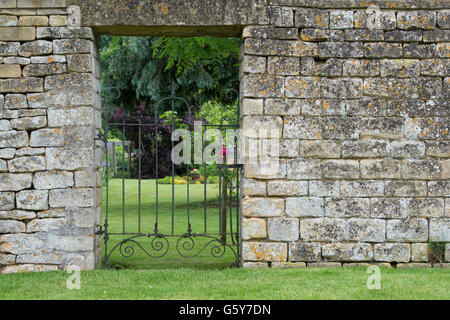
160,93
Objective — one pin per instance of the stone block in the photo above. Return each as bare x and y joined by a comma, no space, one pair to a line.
341,169
283,65
65,33
283,229
280,107
71,46
254,228
282,17
407,230
58,21
347,252
35,48
17,215
440,229
264,251
390,208
361,68
380,169
392,252
407,149
340,128
32,199
261,127
303,169
259,86
405,188
341,88
16,101
250,187
302,128
416,50
382,128
33,21
340,207
22,85
268,32
68,158
324,188
262,207
29,123
421,169
287,188
365,149
302,87
402,68
289,148
403,36
305,207
17,33
341,50
9,48
10,71
41,70
11,226
382,50
53,180
20,268
70,117
311,18
321,149
69,198
250,64
367,230
419,252
416,20
362,188
27,164
341,19
15,181
13,139
7,200
323,229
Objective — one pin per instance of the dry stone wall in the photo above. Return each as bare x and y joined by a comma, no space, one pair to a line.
49,102
360,97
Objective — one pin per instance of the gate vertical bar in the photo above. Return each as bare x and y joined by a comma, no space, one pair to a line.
157,167
123,173
139,169
173,164
106,237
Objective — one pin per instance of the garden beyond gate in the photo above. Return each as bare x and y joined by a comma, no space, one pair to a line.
189,217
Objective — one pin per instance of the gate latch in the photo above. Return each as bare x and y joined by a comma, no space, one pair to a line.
100,231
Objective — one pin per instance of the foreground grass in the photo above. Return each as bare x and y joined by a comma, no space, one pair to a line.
272,284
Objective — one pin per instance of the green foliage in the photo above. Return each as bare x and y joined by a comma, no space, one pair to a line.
215,110
143,68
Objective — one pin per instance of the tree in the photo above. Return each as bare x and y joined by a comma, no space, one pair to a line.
143,68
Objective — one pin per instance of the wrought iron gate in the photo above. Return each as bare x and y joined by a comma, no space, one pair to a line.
213,232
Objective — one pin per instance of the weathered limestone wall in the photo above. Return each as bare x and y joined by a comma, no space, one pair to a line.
363,115
49,102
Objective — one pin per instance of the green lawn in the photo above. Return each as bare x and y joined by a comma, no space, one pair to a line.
334,283
139,260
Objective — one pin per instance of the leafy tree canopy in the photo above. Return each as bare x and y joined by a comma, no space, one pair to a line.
203,69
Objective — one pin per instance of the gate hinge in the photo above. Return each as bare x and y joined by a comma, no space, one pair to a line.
100,136
100,231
